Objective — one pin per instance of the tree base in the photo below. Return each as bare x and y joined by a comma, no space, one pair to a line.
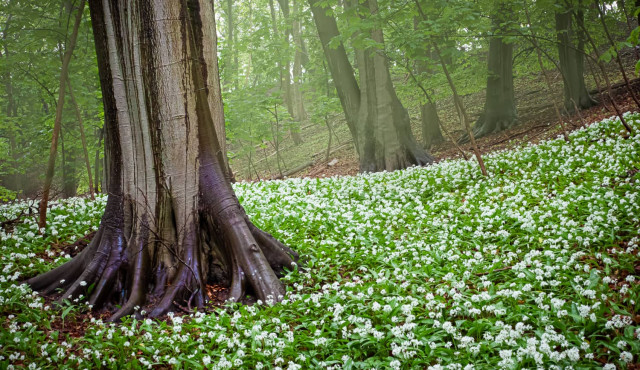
117,271
484,127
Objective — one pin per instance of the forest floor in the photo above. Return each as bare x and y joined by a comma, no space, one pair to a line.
535,265
537,121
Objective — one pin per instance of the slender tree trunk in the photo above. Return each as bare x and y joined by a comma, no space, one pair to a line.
623,7
500,106
585,32
299,113
232,74
172,223
617,55
97,163
83,139
58,120
463,112
68,165
547,79
285,73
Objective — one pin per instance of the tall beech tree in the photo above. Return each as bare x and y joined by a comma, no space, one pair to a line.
571,57
500,105
377,120
172,223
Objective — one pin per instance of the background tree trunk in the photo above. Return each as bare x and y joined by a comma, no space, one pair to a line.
381,123
572,63
172,223
69,176
431,123
299,112
232,74
431,133
83,139
97,166
285,68
340,68
500,105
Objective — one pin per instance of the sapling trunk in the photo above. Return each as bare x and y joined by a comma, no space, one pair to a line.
82,138
465,118
604,73
617,54
547,80
42,221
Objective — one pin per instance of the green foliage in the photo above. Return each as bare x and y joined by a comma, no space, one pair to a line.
7,195
33,38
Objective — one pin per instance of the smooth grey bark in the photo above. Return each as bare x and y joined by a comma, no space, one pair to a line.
500,106
377,119
571,57
172,223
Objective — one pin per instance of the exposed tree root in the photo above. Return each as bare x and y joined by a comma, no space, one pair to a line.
113,269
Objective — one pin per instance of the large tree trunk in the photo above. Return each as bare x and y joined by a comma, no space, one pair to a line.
377,119
572,63
172,223
500,105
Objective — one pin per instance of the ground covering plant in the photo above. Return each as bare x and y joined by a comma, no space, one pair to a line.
435,267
